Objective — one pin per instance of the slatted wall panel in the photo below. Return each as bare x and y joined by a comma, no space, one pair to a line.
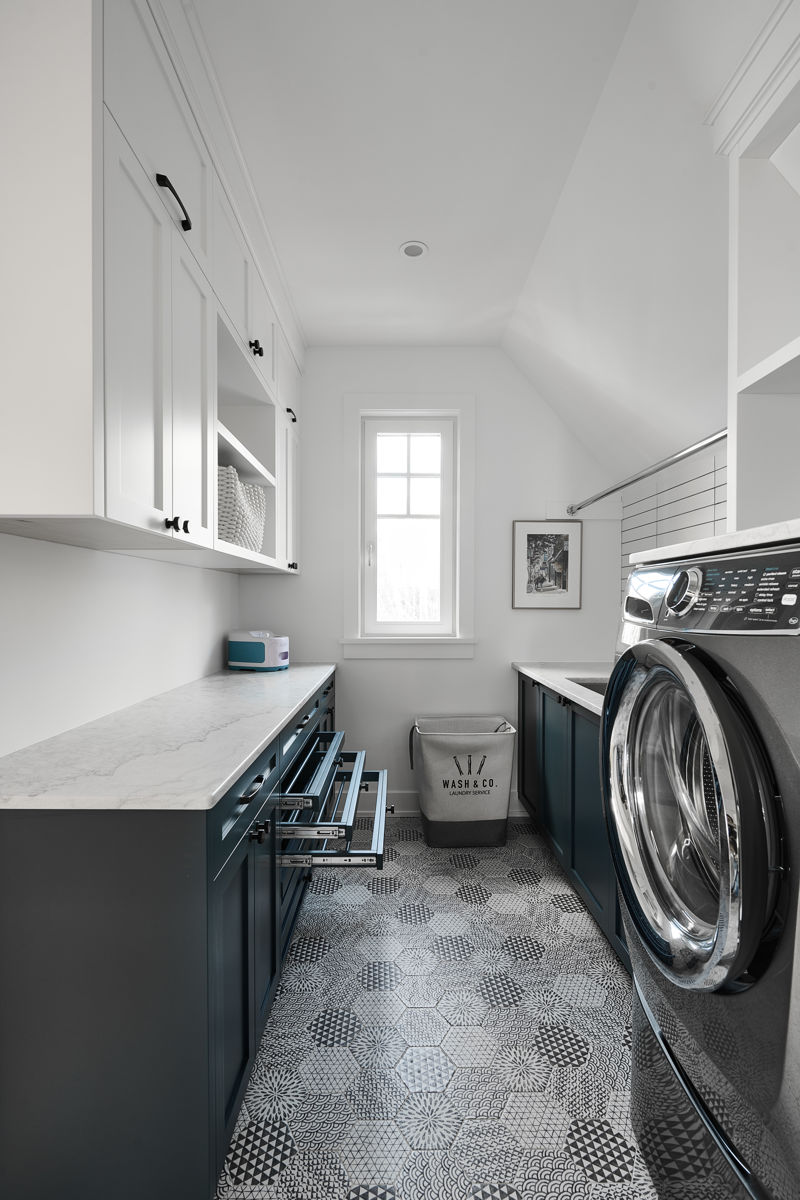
678,504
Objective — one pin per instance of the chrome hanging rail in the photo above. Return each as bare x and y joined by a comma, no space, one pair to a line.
659,466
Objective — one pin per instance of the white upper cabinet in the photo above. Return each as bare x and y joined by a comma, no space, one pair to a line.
138,367
133,309
159,345
758,127
232,265
288,383
193,392
240,289
261,335
142,91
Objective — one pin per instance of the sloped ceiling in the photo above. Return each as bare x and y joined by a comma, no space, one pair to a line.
553,156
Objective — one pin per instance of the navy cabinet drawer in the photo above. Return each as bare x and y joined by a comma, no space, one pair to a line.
232,814
297,734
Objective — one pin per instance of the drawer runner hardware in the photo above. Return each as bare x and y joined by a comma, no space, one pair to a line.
347,857
337,812
313,778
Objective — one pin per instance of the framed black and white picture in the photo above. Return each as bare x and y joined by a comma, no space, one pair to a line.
546,561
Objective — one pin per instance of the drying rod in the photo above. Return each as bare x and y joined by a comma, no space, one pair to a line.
659,466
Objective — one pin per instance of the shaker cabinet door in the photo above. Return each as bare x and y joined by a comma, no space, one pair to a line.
231,974
193,381
160,348
231,265
142,90
555,807
266,957
138,413
591,858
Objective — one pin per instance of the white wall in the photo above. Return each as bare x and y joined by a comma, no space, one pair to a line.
623,320
84,633
528,467
680,503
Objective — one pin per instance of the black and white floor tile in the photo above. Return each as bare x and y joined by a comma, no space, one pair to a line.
454,1027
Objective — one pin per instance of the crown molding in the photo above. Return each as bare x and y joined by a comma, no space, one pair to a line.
758,107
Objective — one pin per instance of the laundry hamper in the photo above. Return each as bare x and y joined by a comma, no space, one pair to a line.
463,771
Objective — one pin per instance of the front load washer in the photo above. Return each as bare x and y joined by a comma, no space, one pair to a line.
701,777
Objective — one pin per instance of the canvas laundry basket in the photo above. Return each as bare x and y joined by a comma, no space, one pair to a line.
241,510
463,771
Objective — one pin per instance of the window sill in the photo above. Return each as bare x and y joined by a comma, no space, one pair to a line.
408,647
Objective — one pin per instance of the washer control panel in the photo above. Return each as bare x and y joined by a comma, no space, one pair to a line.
758,592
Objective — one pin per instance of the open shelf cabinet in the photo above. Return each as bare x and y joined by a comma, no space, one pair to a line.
246,435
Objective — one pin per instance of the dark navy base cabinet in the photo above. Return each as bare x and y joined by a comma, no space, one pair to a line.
139,956
106,1080
559,784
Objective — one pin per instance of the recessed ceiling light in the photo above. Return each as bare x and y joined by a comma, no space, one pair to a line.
413,249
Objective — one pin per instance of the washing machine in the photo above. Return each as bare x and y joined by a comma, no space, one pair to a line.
701,776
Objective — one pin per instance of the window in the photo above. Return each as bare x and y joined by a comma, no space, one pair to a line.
409,467
408,561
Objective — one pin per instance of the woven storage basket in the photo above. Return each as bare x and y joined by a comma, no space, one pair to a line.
241,510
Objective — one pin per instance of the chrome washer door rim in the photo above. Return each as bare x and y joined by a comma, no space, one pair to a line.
681,856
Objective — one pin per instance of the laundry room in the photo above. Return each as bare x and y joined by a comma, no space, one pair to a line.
400,546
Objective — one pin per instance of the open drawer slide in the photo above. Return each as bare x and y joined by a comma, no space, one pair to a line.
336,813
339,851
310,782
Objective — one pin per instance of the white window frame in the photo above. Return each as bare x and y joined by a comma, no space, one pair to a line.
361,638
371,428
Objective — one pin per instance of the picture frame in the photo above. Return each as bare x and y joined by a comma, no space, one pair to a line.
546,564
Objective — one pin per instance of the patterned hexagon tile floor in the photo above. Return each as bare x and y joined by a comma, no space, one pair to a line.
454,1028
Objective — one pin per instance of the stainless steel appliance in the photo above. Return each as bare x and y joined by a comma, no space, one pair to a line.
701,774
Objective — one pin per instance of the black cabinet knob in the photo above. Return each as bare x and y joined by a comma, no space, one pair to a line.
185,526
172,523
292,566
259,833
257,348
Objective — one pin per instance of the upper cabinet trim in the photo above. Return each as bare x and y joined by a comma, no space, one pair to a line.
760,103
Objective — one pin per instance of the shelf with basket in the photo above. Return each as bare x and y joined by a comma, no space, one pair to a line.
246,454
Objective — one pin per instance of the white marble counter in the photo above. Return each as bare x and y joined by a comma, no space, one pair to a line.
740,539
182,749
561,678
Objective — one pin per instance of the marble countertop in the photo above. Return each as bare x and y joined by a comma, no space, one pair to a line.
179,750
739,539
561,678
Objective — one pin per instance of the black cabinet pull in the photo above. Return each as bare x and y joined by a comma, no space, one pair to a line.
257,348
164,182
185,526
172,523
253,790
293,415
292,566
304,722
259,833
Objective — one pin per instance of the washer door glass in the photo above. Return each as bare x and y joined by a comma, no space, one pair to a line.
690,814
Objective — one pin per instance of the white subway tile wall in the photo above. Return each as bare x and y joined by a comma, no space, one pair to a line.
682,502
